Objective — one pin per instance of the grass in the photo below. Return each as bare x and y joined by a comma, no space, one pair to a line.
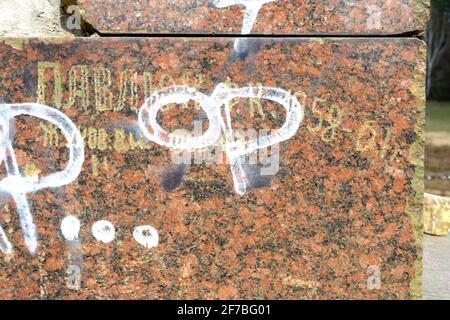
438,117
437,159
437,150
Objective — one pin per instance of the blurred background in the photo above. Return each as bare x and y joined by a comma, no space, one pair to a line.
437,157
436,241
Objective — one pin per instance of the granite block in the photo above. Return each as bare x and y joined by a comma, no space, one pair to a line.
295,17
340,215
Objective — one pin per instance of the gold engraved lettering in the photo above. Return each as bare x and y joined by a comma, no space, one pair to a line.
102,140
366,136
102,89
78,86
94,163
92,138
132,140
139,143
95,138
50,134
335,118
148,84
230,84
128,91
57,93
120,143
315,110
256,105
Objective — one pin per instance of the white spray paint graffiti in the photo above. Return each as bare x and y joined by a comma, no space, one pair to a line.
104,231
5,245
213,106
252,8
146,236
18,186
70,228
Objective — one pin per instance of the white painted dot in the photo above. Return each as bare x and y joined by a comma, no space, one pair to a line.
70,228
103,231
146,236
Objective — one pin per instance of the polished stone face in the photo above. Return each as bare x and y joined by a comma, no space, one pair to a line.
359,17
336,216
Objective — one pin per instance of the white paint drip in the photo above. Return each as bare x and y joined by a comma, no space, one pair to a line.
103,231
146,236
70,228
5,245
18,186
213,106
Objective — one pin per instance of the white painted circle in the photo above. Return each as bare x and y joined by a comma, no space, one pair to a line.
70,228
178,94
146,236
103,231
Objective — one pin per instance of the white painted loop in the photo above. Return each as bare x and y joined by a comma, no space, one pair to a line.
294,116
70,132
178,94
17,185
221,122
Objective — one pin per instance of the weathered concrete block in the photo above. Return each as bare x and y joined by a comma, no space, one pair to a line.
360,17
436,215
332,211
31,18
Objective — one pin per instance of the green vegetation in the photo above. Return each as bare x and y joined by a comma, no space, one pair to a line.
441,3
438,117
437,150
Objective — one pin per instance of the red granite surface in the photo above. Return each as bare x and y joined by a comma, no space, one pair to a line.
278,17
340,203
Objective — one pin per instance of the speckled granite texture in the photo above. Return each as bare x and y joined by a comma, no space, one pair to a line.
346,199
361,17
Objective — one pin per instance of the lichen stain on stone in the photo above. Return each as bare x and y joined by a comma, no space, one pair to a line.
16,43
414,204
421,13
418,85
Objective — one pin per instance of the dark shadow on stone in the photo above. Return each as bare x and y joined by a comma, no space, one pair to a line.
173,177
29,80
256,180
248,48
85,29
